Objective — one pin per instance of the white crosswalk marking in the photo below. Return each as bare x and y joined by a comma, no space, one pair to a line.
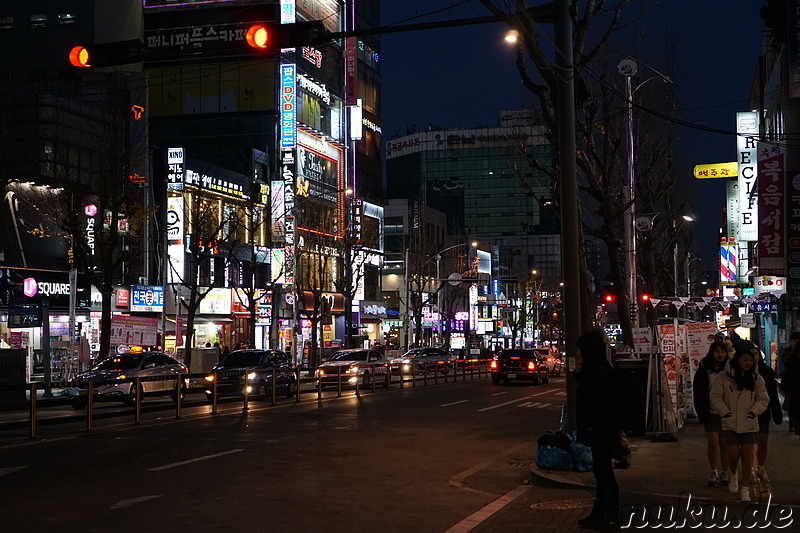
561,393
544,405
538,405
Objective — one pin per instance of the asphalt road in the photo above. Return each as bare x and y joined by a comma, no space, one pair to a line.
421,459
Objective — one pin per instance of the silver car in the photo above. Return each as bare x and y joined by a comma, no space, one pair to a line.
421,360
354,365
111,377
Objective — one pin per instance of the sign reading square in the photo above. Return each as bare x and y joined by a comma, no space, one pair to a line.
147,298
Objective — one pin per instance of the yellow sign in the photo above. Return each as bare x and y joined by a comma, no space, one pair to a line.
716,170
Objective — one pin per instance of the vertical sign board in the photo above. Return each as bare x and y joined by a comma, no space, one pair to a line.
793,47
277,210
288,107
793,238
729,254
732,193
771,224
288,169
287,11
175,239
175,169
747,150
350,70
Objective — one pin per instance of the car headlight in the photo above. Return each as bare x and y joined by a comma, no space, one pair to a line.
320,373
121,376
251,376
210,378
353,369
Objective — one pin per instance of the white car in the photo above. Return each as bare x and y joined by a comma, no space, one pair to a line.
111,377
421,360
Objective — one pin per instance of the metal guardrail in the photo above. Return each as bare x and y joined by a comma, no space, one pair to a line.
413,375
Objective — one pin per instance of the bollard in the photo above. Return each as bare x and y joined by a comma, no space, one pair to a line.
33,411
214,395
137,401
339,382
435,376
178,391
357,380
274,385
245,394
413,375
319,384
402,374
89,405
372,386
425,374
297,385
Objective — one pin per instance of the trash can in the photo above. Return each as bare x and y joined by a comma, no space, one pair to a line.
12,377
633,372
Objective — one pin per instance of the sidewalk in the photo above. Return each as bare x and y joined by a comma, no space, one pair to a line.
666,469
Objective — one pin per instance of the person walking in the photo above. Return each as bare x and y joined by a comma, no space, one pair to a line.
773,412
597,427
790,384
710,369
740,395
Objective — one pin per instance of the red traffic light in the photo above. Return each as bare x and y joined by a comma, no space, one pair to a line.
79,57
609,298
645,297
258,36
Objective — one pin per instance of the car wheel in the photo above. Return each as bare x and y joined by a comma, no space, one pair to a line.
79,403
290,389
366,381
546,379
173,394
537,379
495,380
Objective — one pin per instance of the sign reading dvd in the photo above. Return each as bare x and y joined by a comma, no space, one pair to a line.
147,298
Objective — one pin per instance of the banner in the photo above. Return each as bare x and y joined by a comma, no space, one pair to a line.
771,210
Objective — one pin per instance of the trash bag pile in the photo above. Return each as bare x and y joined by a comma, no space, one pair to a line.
559,451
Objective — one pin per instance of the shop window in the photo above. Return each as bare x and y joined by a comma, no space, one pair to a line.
6,23
67,18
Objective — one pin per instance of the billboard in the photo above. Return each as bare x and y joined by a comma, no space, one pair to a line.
147,298
747,156
288,107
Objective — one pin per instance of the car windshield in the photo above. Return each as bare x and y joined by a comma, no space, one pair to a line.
349,356
508,354
413,353
241,359
119,363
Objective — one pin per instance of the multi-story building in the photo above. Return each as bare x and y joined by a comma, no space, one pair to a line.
493,186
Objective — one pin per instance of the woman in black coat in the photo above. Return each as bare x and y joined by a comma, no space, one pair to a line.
597,426
790,383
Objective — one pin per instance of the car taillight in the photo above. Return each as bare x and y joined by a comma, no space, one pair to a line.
531,366
493,365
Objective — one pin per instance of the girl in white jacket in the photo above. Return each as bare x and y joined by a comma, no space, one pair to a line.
739,396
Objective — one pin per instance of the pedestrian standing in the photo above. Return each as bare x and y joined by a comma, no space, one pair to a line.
790,384
597,427
740,396
710,369
773,413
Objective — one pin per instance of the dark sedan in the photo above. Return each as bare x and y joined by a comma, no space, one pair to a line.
518,365
252,370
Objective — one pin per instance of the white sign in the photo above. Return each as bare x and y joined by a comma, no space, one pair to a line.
175,239
747,158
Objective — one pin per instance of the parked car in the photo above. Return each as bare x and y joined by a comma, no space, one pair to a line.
108,375
421,360
462,359
252,370
518,365
354,364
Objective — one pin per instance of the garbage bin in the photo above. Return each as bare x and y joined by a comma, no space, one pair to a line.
634,373
12,377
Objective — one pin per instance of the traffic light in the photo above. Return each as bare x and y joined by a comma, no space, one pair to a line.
645,297
270,36
106,54
609,298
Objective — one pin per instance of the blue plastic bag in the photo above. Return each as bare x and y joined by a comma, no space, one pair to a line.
581,456
548,458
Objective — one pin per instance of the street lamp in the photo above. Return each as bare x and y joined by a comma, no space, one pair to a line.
438,257
629,68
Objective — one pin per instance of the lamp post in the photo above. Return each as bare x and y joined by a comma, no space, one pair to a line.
629,68
438,257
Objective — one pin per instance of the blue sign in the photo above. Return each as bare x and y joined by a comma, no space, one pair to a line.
288,107
756,307
147,298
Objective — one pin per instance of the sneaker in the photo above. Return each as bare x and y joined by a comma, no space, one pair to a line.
733,484
723,478
744,494
761,475
713,481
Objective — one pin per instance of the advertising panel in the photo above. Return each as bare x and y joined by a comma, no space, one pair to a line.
771,201
288,107
747,150
147,298
216,302
175,239
134,330
793,239
277,210
175,169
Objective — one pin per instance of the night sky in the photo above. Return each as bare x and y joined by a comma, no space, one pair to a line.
465,76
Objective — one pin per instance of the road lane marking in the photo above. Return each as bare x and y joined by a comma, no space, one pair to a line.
542,393
124,504
11,469
528,404
475,519
500,393
453,403
504,404
196,459
561,393
544,405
